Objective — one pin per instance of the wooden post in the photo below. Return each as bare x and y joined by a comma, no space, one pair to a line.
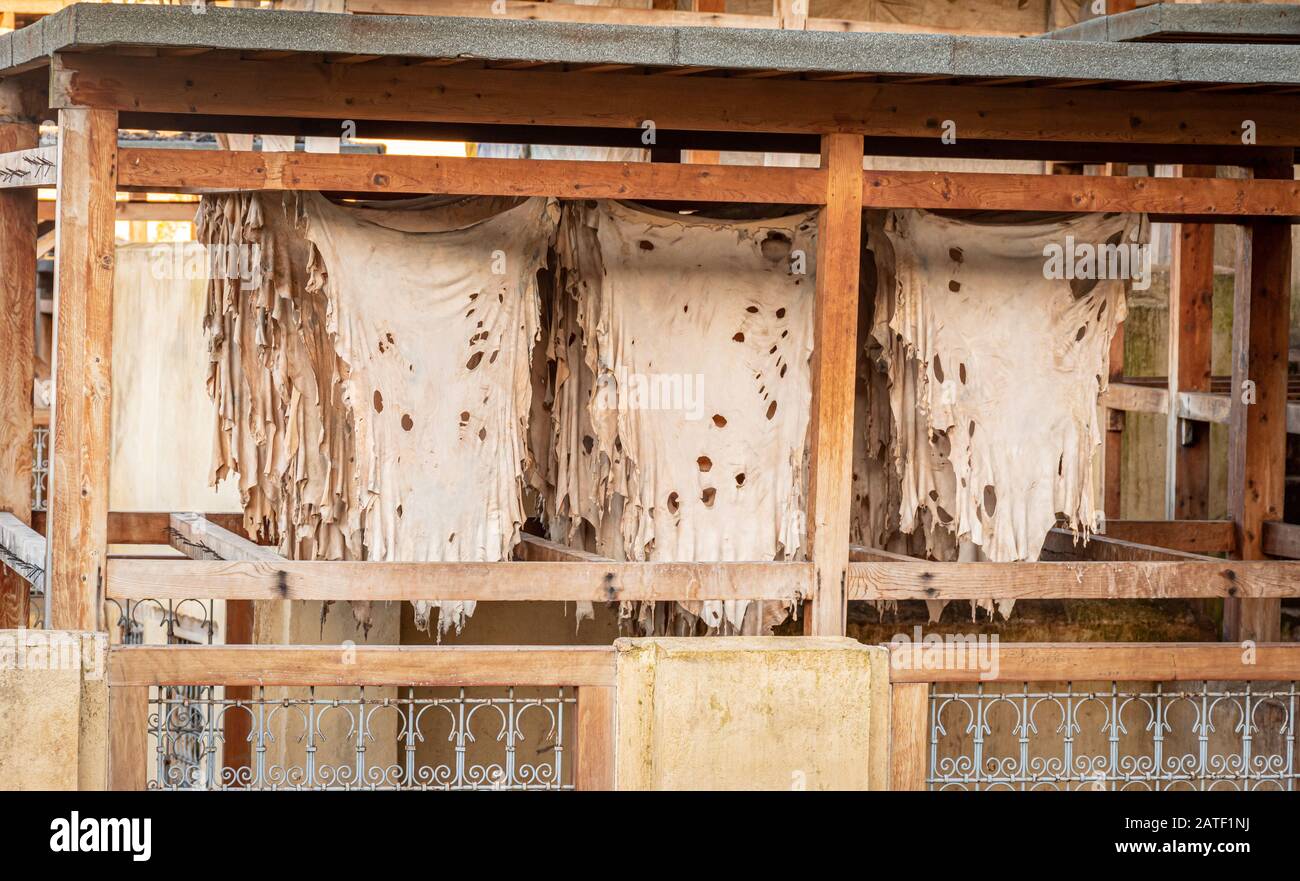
594,765
1191,331
1112,456
83,360
909,740
17,338
128,738
1257,419
236,749
834,362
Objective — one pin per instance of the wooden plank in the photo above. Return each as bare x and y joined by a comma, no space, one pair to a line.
567,12
147,527
1191,333
361,665
1076,193
138,211
355,580
1257,428
201,539
83,342
1135,398
1122,662
160,169
1079,580
533,549
212,170
1282,539
449,94
1194,536
594,768
834,365
28,169
860,554
128,738
909,736
1203,406
1061,544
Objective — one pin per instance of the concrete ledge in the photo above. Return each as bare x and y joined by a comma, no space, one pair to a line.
772,713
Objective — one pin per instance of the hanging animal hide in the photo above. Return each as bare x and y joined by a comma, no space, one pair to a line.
682,390
991,340
378,403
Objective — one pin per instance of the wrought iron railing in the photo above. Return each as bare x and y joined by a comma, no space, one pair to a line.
1187,736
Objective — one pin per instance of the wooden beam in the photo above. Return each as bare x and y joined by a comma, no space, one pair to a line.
860,554
83,360
1168,196
447,94
361,665
136,211
834,362
1194,536
594,766
1135,398
1261,320
1061,544
533,549
22,549
1191,332
200,539
17,339
353,580
1282,539
146,527
128,738
1122,662
28,169
1064,581
213,170
909,737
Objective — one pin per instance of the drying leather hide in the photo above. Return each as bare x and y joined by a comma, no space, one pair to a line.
682,391
993,373
379,405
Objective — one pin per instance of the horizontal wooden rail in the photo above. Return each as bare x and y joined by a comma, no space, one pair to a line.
1196,406
351,580
1168,196
1282,539
159,170
1063,544
200,539
1079,662
361,665
1086,580
539,550
147,527
1193,536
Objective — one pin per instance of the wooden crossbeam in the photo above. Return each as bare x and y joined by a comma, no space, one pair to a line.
1197,406
360,665
1194,536
133,211
447,94
36,167
215,170
351,580
1282,539
533,549
1081,580
200,539
147,527
1080,662
1062,544
1135,398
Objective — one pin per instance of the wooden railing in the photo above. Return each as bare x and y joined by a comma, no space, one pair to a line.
164,700
1042,687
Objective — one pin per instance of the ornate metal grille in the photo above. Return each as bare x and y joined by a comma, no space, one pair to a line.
170,622
310,741
1193,736
40,467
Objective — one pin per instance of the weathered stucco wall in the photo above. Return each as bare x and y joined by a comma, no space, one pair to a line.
736,713
53,711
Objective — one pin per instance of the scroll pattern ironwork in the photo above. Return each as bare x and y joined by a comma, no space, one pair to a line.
1194,736
304,739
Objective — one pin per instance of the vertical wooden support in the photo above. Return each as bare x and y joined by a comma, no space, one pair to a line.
594,765
834,362
1257,419
83,359
1191,332
236,749
128,738
17,339
909,736
1112,458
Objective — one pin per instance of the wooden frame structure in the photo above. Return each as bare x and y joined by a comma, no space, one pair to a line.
95,85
